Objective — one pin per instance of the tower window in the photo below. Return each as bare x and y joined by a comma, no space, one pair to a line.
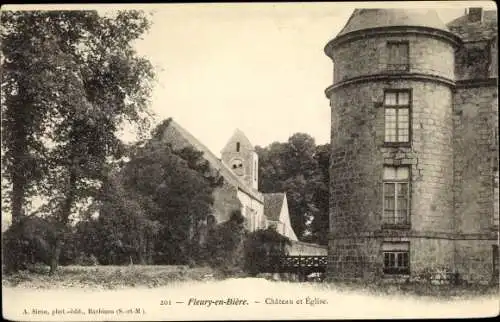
396,257
397,116
396,195
237,146
399,58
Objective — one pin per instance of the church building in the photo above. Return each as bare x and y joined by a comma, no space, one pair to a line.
239,166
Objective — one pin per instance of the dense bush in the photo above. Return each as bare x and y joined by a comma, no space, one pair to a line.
224,248
232,250
31,240
262,247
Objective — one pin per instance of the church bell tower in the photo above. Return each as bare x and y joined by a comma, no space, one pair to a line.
240,156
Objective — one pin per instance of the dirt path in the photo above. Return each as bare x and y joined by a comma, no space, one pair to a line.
252,298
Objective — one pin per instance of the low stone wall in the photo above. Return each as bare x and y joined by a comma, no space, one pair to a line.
301,248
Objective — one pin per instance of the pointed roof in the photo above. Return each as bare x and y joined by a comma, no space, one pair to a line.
238,136
377,18
273,202
370,22
178,137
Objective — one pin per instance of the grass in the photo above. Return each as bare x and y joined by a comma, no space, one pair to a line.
107,277
115,277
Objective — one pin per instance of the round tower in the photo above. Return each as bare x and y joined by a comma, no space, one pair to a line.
391,166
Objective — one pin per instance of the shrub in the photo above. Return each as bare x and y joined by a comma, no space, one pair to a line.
225,245
28,241
261,248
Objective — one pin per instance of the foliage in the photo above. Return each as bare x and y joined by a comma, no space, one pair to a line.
175,189
225,245
29,240
123,229
300,168
70,79
262,247
149,207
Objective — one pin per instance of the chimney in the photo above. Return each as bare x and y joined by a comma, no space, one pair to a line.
475,14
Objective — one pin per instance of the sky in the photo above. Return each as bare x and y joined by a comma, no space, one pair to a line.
257,67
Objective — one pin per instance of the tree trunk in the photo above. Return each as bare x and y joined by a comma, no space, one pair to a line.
149,249
63,220
19,179
70,198
19,154
18,187
54,259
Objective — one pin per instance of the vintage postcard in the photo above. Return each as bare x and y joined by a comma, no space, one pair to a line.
249,161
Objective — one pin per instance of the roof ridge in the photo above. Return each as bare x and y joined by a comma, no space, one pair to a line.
221,165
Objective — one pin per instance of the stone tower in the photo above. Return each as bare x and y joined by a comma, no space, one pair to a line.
391,201
240,156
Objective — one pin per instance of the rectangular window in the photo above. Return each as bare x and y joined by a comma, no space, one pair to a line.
397,116
399,57
396,195
396,257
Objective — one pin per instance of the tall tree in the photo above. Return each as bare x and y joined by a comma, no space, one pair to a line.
26,59
300,168
171,187
72,78
320,223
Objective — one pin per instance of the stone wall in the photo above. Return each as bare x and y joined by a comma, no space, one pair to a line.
475,162
358,157
354,258
256,208
474,259
225,201
431,255
476,157
301,248
370,56
453,157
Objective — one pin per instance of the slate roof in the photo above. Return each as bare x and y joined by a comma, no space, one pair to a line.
376,18
179,138
272,205
475,31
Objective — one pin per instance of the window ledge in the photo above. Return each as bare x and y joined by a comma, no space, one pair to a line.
396,145
397,275
396,226
391,278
